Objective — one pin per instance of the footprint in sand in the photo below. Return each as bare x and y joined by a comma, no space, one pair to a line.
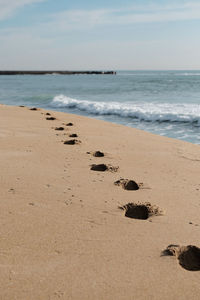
98,154
69,124
127,184
103,167
50,118
188,256
100,167
140,211
73,135
33,108
59,128
72,142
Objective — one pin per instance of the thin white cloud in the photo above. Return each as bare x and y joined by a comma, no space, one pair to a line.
49,44
81,19
8,7
71,21
40,38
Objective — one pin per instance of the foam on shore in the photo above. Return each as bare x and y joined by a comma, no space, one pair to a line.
149,112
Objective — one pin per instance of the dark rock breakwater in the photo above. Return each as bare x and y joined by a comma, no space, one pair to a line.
57,72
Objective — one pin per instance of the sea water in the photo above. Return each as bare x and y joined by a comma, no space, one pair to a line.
162,102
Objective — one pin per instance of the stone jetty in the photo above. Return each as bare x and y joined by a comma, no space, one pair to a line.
56,72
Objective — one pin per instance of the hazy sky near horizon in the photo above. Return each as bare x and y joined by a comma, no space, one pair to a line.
93,34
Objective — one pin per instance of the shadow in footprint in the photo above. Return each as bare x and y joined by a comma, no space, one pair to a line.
100,167
103,167
98,154
59,128
188,256
69,124
137,212
72,142
140,211
50,118
127,184
33,108
73,135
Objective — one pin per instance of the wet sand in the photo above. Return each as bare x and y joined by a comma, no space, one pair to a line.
71,229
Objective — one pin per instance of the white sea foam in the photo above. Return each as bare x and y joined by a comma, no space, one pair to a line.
187,74
143,111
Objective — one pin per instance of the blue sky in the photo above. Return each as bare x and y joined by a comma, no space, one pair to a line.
91,34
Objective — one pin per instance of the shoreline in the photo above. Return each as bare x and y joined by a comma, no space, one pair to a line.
94,117
62,233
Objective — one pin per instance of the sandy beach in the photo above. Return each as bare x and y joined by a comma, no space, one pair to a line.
63,235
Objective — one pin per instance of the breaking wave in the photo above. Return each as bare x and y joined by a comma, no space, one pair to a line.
187,74
142,111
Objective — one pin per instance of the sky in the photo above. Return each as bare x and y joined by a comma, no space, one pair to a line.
99,35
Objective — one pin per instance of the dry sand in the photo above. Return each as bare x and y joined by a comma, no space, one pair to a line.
62,235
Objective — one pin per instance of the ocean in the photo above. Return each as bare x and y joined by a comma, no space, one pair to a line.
162,102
